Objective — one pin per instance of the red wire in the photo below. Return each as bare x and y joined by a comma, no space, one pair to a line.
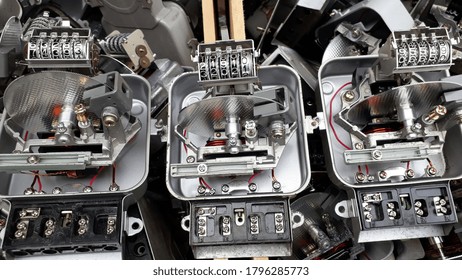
26,135
367,169
330,116
202,181
274,176
40,188
253,176
359,169
96,175
408,165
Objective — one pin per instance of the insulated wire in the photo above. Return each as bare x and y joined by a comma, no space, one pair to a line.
330,116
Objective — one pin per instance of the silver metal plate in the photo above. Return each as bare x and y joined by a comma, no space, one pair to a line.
206,116
33,101
338,47
11,35
422,97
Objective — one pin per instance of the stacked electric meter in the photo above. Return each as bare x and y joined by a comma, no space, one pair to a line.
237,149
393,127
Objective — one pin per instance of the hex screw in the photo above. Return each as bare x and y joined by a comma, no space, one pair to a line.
33,159
443,202
276,186
348,96
383,174
202,168
21,225
50,223
432,171
410,173
392,214
360,177
359,146
417,127
376,154
18,234
252,187
201,189
225,188
57,190
355,33
190,159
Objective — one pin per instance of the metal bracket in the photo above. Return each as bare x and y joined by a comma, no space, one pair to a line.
346,209
159,129
186,223
44,161
133,225
314,123
297,219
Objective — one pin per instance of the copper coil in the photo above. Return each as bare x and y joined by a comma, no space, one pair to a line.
379,130
214,143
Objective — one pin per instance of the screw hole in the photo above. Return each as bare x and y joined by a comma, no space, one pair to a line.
297,219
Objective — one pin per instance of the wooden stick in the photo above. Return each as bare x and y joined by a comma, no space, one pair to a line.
236,19
208,15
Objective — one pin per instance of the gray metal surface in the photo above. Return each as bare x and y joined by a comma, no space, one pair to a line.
293,167
396,233
11,35
205,116
164,24
338,47
422,96
392,12
338,72
9,9
131,165
304,69
247,250
33,101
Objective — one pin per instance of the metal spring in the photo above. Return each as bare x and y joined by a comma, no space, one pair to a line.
113,44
